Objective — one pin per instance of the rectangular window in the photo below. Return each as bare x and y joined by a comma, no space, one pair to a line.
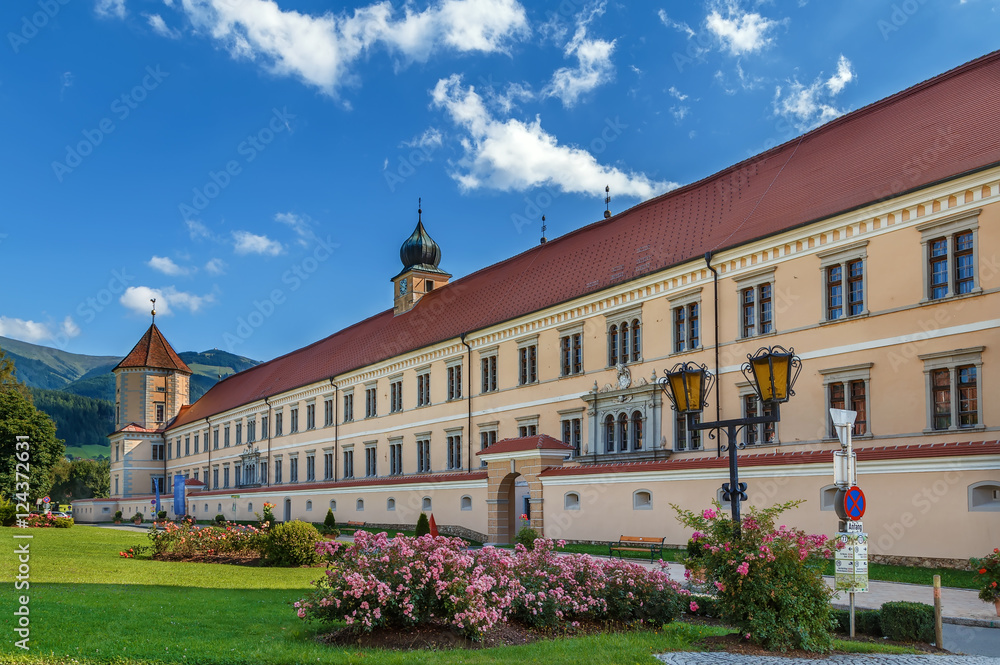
371,402
215,478
571,434
761,432
348,407
489,374
197,437
215,439
349,463
941,395
310,416
859,403
834,292
225,435
486,439
328,466
527,430
279,423
423,455
225,476
938,268
310,468
757,314
239,434
687,330
265,429
293,469
423,389
157,451
528,360
187,445
687,440
455,382
277,471
968,394
238,475
178,453
395,458
855,287
396,396
370,461
455,451
327,412
571,347
293,420
160,411
965,269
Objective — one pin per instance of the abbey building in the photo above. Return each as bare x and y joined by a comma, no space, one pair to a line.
528,388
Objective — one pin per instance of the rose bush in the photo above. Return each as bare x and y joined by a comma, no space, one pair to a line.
186,540
378,582
988,569
769,581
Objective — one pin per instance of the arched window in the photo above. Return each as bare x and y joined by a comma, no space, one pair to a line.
622,432
571,501
360,505
636,432
466,502
390,504
425,505
636,341
624,342
609,434
613,346
333,506
206,507
309,505
249,507
642,500
984,496
219,509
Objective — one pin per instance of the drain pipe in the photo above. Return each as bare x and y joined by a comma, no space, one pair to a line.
336,429
718,405
268,402
469,400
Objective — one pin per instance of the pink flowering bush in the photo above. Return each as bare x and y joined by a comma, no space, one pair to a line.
48,520
187,541
769,581
378,582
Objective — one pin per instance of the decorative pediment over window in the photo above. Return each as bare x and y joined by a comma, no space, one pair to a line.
624,418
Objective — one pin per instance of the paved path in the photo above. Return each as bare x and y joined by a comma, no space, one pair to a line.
687,658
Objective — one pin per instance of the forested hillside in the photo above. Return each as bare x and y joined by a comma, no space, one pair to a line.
80,421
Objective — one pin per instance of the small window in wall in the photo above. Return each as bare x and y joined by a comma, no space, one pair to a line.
206,507
642,500
425,504
249,507
827,497
360,505
333,506
219,509
390,504
984,496
571,501
106,509
309,505
466,502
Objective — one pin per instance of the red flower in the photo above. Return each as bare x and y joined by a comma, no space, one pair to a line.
982,571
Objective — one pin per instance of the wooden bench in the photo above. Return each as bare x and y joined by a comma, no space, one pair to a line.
355,525
637,544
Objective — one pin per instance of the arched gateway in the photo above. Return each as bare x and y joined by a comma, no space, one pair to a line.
508,462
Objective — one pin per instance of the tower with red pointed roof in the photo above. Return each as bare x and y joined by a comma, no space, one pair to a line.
152,383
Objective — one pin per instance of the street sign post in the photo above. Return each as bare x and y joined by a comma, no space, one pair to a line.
854,503
851,565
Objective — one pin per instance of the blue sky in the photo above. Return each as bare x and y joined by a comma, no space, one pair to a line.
238,156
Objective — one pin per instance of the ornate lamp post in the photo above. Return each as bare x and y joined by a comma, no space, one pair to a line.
771,371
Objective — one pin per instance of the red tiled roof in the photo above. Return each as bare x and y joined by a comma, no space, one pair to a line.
540,442
153,350
912,451
135,427
936,130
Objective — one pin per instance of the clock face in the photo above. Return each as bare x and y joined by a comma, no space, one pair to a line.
402,287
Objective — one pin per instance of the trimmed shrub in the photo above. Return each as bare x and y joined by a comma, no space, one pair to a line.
220,519
908,621
138,518
8,512
118,515
162,515
866,622
330,522
423,525
290,544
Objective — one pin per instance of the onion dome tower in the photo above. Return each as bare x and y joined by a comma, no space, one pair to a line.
420,274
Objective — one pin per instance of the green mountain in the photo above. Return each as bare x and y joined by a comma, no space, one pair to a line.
78,391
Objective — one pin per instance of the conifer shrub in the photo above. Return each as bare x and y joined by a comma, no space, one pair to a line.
8,511
290,544
423,525
220,519
330,524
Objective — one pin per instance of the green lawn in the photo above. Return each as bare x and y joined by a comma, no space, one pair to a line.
89,605
959,579
90,451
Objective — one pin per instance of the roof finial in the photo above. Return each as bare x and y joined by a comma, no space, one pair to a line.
544,239
419,209
153,300
607,201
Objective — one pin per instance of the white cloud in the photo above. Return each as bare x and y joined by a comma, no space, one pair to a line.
677,94
679,112
431,139
809,106
594,66
35,332
301,224
168,300
216,267
109,8
508,99
680,26
199,231
512,155
741,32
167,266
320,49
159,26
843,76
250,243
